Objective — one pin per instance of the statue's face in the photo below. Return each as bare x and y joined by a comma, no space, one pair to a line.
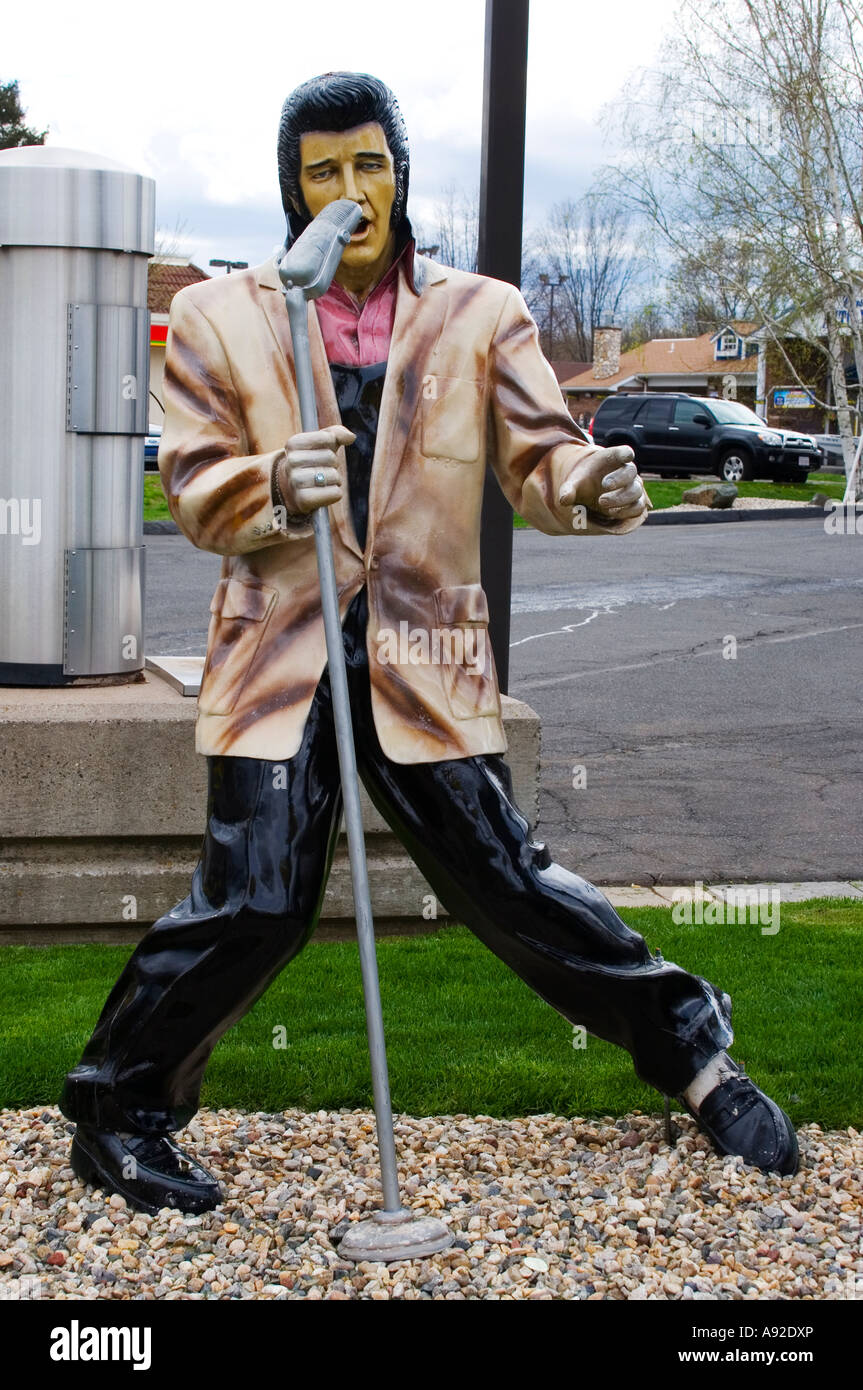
353,164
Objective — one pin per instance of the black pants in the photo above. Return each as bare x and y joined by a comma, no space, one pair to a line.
257,893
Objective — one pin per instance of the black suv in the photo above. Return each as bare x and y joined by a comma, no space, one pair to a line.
679,435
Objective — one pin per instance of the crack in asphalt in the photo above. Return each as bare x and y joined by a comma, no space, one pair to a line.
700,649
550,598
568,628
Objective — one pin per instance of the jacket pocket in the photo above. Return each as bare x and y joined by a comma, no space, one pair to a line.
239,614
452,412
465,655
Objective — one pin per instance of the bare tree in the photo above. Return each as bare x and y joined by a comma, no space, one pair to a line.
169,245
648,321
745,157
712,287
455,228
586,251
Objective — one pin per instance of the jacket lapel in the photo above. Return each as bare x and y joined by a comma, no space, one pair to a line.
328,414
419,318
328,410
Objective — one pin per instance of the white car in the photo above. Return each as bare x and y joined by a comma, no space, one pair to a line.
151,448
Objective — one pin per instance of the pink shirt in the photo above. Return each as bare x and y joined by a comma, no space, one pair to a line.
358,335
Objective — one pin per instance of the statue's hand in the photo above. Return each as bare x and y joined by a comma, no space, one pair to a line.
607,483
305,456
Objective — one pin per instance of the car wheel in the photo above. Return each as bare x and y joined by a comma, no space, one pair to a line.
735,466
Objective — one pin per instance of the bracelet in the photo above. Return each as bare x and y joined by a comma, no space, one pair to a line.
291,518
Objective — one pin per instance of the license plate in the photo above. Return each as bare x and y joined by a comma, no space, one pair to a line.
803,460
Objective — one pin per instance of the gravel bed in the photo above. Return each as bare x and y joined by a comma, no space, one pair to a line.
541,1208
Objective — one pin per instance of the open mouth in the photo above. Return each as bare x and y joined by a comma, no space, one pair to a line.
362,229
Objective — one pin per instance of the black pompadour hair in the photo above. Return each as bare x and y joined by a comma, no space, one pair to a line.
338,101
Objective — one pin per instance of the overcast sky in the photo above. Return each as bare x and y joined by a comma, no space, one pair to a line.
191,96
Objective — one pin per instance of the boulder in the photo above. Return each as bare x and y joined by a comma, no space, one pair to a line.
711,495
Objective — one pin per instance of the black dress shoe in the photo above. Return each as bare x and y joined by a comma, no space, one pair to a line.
739,1119
149,1170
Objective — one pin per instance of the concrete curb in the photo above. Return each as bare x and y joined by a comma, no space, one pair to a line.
668,518
666,894
161,528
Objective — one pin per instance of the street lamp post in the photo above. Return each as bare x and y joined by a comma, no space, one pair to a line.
552,286
231,265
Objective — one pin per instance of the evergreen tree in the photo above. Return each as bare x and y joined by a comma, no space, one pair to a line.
13,131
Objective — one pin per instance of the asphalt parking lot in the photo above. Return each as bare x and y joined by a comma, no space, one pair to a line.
670,751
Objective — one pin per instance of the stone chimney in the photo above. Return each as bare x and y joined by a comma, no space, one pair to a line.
606,351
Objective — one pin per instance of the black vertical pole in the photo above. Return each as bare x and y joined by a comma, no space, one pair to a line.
501,201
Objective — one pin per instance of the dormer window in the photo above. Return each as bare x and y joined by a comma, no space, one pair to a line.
727,344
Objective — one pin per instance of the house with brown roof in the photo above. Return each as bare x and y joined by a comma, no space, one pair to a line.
740,362
719,364
564,369
165,275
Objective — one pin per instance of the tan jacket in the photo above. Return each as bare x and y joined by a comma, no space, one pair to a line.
465,381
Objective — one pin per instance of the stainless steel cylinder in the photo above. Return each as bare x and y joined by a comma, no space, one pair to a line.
76,233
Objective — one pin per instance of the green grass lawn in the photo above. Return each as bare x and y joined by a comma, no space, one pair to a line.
466,1035
667,492
155,505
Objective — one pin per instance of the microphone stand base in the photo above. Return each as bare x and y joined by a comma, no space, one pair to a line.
394,1235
